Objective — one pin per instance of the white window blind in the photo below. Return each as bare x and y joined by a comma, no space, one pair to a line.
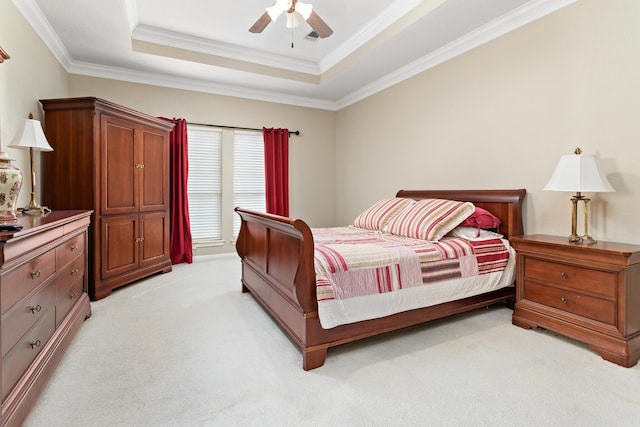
205,183
248,174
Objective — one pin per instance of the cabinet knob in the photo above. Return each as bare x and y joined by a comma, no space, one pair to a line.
35,309
564,300
564,274
35,343
140,239
74,271
74,248
35,274
74,295
139,166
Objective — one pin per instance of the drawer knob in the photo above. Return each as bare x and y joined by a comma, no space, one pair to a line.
35,274
35,343
74,295
74,271
74,248
36,309
564,274
564,300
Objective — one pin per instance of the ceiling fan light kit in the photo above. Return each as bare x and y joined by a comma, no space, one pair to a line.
291,7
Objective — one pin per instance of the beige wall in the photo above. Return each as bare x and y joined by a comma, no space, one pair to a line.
311,154
31,73
501,115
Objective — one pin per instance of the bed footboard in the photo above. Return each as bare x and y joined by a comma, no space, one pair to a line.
278,270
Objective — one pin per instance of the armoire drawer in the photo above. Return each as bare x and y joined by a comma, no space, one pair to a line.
25,314
26,278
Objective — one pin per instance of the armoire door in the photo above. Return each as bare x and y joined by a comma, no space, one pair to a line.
119,179
120,243
153,168
154,231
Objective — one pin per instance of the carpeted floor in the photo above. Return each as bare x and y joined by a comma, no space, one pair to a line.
189,349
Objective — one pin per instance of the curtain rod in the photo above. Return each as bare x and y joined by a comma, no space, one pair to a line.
295,132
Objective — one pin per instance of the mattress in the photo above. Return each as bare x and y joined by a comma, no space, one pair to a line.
364,275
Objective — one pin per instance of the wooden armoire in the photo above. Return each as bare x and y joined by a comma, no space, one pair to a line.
114,161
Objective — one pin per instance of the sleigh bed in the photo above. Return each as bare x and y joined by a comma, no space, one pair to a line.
278,269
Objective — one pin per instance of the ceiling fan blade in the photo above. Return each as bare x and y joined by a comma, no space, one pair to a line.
261,23
319,26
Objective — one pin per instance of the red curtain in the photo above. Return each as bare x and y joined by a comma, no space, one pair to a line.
180,243
276,170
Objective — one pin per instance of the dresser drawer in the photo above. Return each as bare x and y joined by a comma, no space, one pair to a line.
70,285
18,359
25,314
69,250
568,276
587,306
26,278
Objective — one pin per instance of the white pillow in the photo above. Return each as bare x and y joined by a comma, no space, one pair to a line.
474,233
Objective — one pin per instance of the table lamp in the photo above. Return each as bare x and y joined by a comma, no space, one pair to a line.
579,173
32,137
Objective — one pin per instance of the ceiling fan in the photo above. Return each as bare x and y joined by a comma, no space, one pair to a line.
290,7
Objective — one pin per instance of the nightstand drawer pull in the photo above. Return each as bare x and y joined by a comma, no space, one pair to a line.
36,309
564,300
35,274
74,248
35,343
564,274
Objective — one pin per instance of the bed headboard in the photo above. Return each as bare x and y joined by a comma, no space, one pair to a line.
505,204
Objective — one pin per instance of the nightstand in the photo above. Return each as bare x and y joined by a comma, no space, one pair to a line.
590,293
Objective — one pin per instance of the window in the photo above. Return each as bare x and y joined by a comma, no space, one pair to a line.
205,183
248,174
226,169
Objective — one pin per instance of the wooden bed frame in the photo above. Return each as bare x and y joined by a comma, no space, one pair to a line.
278,270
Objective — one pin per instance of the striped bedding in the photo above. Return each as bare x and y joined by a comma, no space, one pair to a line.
363,274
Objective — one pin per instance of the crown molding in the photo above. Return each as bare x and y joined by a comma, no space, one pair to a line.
368,32
40,24
210,47
156,79
509,22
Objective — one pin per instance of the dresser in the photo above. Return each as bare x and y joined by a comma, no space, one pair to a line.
115,161
590,293
44,301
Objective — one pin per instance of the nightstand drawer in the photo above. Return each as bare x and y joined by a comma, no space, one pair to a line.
568,276
573,302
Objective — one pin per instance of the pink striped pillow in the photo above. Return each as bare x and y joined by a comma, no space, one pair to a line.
378,215
429,219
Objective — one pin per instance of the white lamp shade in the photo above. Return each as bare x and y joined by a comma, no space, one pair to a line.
304,9
31,136
292,21
579,173
274,11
